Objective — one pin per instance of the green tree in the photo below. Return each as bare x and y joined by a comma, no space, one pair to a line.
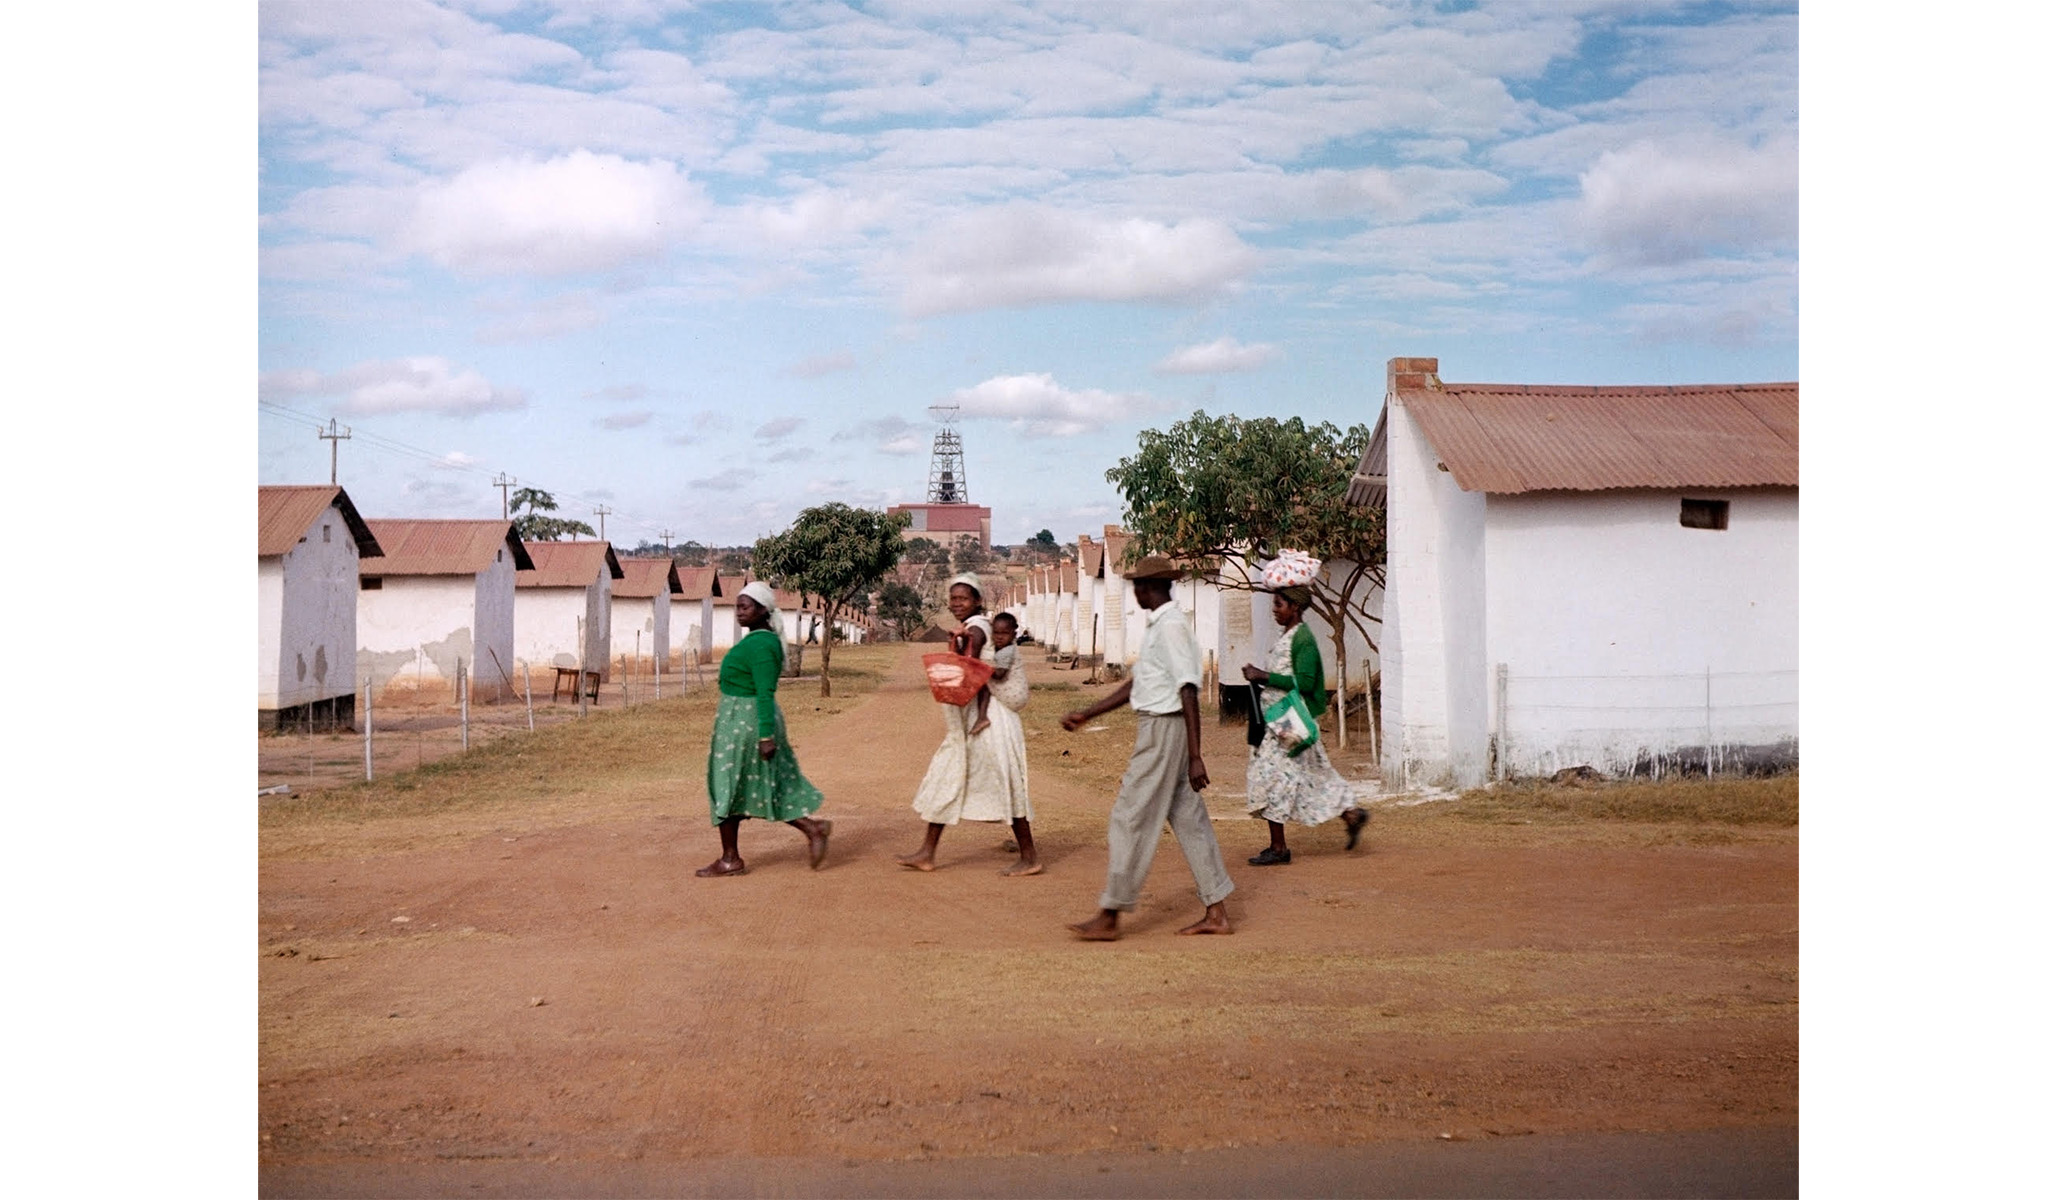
528,506
689,554
1224,487
834,553
901,607
732,561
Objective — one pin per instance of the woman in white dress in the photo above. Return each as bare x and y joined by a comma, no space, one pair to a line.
1306,788
980,772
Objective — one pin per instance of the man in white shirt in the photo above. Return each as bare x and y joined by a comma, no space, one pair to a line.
1165,773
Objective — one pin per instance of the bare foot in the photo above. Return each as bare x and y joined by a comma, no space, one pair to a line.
722,866
984,724
818,842
916,861
1105,927
1022,868
1214,920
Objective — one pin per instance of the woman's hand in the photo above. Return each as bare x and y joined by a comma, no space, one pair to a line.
767,748
1254,673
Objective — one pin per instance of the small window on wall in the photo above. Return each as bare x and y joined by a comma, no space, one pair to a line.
370,583
324,533
1703,514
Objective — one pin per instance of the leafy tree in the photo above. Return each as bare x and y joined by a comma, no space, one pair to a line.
528,506
1224,487
970,556
925,550
689,554
901,607
834,553
732,561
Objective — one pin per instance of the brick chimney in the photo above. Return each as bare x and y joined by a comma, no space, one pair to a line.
1410,375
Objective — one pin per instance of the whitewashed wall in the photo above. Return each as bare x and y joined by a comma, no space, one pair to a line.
546,624
414,629
1067,623
642,627
307,623
1632,641
497,675
1435,696
723,626
1090,643
691,625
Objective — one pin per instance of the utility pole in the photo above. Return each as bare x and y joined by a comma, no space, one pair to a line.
601,512
503,481
666,535
333,438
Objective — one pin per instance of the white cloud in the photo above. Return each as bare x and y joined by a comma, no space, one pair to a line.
456,460
1018,256
773,430
1656,204
823,364
906,443
420,383
1216,357
1038,406
579,212
626,420
550,318
734,477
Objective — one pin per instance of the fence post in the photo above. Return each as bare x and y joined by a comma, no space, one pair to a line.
657,678
527,699
582,665
463,709
368,689
1500,721
1371,711
1708,700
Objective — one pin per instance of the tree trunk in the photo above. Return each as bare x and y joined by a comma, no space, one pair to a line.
828,641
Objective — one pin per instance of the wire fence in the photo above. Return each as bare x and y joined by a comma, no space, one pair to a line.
1690,722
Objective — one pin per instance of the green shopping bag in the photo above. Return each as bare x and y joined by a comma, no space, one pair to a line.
1291,723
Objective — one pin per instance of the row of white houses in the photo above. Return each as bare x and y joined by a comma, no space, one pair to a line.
406,604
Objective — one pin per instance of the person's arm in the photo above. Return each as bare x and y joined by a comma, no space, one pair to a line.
1189,707
1307,673
1108,703
764,676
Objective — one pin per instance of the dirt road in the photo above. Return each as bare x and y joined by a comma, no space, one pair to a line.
507,989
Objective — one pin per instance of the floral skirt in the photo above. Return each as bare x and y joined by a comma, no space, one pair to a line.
739,783
1306,790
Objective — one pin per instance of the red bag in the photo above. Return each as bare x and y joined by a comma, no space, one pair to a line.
955,679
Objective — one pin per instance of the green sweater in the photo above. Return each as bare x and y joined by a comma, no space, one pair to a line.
1306,671
751,668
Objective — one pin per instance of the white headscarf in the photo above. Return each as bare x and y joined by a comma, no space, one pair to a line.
971,581
761,592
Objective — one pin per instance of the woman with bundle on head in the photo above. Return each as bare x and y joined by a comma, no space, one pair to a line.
751,771
1282,786
980,772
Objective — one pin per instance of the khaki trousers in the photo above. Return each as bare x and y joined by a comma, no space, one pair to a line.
1154,790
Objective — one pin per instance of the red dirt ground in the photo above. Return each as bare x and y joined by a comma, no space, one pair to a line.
552,984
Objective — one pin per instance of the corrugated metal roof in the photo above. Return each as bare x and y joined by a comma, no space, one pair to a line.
286,512
1368,483
568,564
443,547
1526,438
647,578
698,583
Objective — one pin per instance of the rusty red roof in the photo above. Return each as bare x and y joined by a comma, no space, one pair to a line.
1504,438
1067,578
731,587
647,578
1117,548
443,547
285,513
1089,555
698,583
569,564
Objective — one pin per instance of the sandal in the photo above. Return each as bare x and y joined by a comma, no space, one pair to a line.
1354,821
1269,857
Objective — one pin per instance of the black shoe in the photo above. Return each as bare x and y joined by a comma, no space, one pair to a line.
1269,857
1354,821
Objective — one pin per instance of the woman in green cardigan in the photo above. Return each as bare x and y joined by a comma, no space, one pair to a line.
751,771
1306,788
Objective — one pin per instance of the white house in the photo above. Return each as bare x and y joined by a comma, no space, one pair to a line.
1092,590
727,588
571,591
309,543
642,610
692,613
442,594
1605,576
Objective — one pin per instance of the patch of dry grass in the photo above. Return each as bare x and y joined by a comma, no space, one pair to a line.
1773,801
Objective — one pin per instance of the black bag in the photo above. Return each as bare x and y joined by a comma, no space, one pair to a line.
1255,733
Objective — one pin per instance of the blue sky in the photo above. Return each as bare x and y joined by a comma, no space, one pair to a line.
709,263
